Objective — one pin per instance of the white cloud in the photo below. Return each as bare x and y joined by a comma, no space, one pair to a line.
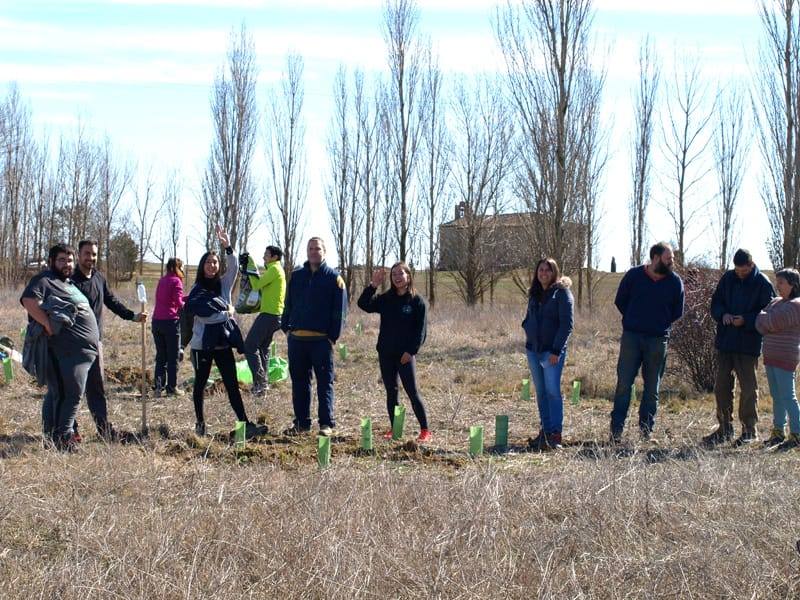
680,7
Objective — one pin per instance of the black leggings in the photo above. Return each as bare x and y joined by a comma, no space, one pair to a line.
201,360
391,369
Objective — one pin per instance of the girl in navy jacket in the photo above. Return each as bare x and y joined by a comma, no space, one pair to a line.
403,329
548,325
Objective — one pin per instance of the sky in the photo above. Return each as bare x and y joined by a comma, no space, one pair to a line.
141,72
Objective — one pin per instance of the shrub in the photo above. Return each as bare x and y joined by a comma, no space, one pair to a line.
692,340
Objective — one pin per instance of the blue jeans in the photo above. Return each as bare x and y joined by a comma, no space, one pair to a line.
305,357
784,400
650,353
547,381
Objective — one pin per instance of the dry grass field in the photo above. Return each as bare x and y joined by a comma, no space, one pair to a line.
174,516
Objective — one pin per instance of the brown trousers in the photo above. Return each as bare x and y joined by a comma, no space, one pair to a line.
744,367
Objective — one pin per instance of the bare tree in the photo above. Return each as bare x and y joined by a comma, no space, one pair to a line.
228,190
730,153
402,108
286,159
686,138
777,103
342,154
113,182
368,115
78,183
481,159
554,105
644,119
172,217
17,149
436,151
146,214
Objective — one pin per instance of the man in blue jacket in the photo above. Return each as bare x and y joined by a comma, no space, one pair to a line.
650,298
313,317
740,295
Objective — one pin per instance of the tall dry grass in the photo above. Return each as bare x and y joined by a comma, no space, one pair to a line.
177,517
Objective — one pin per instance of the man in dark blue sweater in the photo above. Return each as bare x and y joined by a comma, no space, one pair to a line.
650,298
313,316
741,294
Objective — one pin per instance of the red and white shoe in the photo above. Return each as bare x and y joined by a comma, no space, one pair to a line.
424,436
387,435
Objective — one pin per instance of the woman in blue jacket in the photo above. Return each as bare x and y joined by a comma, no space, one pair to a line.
548,325
403,329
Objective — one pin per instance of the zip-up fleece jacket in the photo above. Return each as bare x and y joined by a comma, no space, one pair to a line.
316,303
745,297
548,324
34,350
403,320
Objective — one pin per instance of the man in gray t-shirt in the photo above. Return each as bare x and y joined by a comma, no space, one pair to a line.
72,337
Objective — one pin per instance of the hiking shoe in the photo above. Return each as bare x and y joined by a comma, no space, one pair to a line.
424,436
791,441
326,430
294,430
387,435
259,389
553,440
108,433
776,437
720,435
67,444
76,437
200,429
748,437
157,391
252,430
615,437
177,392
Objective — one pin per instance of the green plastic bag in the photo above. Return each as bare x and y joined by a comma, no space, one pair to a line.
278,369
243,373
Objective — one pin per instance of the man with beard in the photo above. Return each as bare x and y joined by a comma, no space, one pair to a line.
94,286
650,298
63,314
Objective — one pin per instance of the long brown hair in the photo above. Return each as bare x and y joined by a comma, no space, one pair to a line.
405,268
175,265
537,291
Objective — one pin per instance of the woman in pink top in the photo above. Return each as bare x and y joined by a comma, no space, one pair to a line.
779,323
166,333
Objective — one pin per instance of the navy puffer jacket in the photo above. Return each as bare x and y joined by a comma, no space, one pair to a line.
548,324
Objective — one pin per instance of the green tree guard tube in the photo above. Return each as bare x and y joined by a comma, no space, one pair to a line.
525,392
576,392
501,431
239,435
366,433
343,351
399,422
323,451
476,440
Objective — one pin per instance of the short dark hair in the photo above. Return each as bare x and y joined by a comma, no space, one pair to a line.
658,249
275,251
742,258
61,248
83,243
792,277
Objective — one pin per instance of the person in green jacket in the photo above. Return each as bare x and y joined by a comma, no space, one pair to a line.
272,285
